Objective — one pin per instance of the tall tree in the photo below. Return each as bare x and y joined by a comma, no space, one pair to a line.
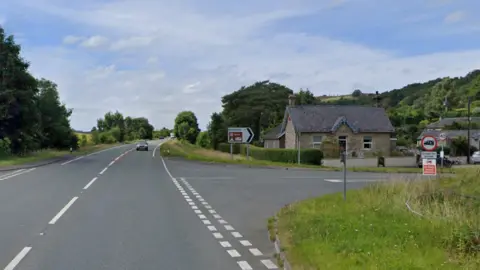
186,126
305,97
217,130
258,106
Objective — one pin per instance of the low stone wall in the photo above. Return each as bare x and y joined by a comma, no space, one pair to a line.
372,162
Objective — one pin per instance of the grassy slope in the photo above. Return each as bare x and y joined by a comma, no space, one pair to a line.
375,230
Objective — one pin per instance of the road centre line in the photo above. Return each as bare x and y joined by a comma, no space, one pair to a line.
18,258
103,170
90,183
64,209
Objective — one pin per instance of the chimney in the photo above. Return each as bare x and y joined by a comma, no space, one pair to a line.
291,100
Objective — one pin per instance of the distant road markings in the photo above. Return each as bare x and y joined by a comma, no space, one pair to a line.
64,209
15,173
225,244
91,154
90,183
155,149
353,180
18,258
245,243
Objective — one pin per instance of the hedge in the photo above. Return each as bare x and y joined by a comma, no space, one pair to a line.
307,156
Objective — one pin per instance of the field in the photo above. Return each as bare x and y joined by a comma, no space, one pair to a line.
395,225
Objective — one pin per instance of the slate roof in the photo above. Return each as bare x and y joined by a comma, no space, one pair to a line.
449,121
273,133
326,118
474,133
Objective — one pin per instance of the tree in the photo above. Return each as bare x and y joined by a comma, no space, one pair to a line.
357,93
19,115
305,97
259,106
164,132
54,116
186,126
217,130
203,140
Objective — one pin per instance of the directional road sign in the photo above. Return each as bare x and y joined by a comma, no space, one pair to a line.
429,143
240,135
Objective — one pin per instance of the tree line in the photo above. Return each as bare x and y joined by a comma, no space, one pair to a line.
114,127
32,117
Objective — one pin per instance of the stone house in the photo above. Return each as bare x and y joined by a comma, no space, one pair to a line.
274,138
361,130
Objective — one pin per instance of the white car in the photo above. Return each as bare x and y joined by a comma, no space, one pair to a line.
475,157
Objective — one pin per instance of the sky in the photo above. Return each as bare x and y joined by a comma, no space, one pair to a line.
155,58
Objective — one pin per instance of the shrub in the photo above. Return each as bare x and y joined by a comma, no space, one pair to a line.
307,156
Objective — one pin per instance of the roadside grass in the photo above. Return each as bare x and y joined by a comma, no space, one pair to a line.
374,228
193,152
49,154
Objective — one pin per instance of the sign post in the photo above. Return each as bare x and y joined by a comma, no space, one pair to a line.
429,157
242,135
443,138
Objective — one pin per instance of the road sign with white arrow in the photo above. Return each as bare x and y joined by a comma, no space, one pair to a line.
240,135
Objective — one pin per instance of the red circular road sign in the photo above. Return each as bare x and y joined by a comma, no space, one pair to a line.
429,143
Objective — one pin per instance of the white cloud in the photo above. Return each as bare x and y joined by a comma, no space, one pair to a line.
94,41
455,17
214,47
72,39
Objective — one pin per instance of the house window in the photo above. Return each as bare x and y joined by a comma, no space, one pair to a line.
316,141
367,142
342,142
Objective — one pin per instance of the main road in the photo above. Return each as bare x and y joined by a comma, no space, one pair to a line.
123,209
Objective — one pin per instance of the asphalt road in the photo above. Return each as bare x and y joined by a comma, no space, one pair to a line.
123,209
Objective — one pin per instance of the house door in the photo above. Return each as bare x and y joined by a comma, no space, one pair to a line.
342,143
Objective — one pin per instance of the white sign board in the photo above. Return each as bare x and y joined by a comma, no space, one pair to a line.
240,135
429,155
429,166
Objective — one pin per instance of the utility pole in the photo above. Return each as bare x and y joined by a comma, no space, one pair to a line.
469,102
377,99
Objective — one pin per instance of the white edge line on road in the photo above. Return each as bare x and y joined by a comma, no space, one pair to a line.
10,173
64,209
15,174
90,183
72,160
18,258
155,149
111,163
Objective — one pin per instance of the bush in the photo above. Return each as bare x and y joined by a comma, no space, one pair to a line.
307,156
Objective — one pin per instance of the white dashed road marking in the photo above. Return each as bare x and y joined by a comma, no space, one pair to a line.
244,265
18,258
233,253
90,183
269,264
65,163
64,209
104,170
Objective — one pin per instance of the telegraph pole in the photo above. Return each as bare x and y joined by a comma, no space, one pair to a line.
377,99
469,102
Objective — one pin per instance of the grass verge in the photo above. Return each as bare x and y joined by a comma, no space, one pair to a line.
374,228
49,154
193,152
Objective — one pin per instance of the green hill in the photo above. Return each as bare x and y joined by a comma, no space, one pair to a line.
412,107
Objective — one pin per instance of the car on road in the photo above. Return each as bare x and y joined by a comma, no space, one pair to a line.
475,157
142,146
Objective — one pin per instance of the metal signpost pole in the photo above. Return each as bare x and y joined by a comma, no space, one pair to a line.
345,177
248,151
231,151
298,144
